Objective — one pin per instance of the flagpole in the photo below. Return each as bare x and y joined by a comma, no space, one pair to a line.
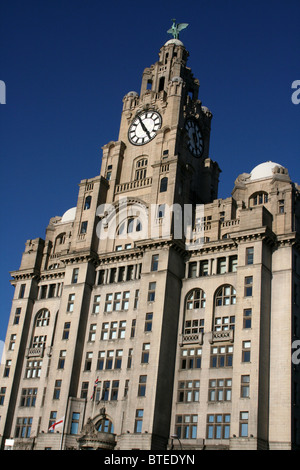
65,419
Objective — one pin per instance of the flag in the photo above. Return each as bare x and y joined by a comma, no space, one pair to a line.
58,423
94,389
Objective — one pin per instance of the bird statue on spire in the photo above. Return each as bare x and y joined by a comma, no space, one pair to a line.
176,28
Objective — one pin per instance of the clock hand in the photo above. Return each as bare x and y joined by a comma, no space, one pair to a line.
144,127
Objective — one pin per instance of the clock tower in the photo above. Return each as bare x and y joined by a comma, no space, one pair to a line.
162,153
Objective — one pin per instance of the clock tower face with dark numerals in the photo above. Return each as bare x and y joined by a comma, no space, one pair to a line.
144,127
195,139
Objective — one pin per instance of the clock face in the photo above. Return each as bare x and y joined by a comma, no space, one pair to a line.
195,139
144,127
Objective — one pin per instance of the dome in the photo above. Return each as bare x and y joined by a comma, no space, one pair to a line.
132,93
68,216
264,170
174,41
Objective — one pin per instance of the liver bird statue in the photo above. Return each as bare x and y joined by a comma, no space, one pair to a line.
176,28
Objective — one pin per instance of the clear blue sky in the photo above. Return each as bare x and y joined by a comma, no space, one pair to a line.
67,64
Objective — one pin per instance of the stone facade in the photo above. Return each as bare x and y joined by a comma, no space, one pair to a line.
131,329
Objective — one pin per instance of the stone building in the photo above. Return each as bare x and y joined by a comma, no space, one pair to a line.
154,314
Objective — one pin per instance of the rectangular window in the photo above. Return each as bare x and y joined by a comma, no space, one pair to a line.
130,272
161,211
132,330
248,286
247,318
88,361
142,385
17,316
51,292
136,298
75,423
2,395
114,390
224,323
101,275
122,329
193,327
28,397
190,358
100,360
221,356
281,206
22,291
154,263
92,332
221,266
148,322
126,388
204,268
75,276
66,330
61,359
108,303
186,426
33,369
105,331
188,391
52,420
23,427
12,342
192,270
129,359
145,353
138,423
249,255
219,390
109,360
84,390
218,426
246,351
121,275
244,423
71,300
245,386
118,359
151,291
233,261
7,368
83,228
105,391
117,301
96,304
125,300
57,388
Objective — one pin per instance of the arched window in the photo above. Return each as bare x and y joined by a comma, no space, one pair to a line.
129,226
258,198
163,185
87,202
42,318
195,299
105,425
141,169
60,239
225,295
